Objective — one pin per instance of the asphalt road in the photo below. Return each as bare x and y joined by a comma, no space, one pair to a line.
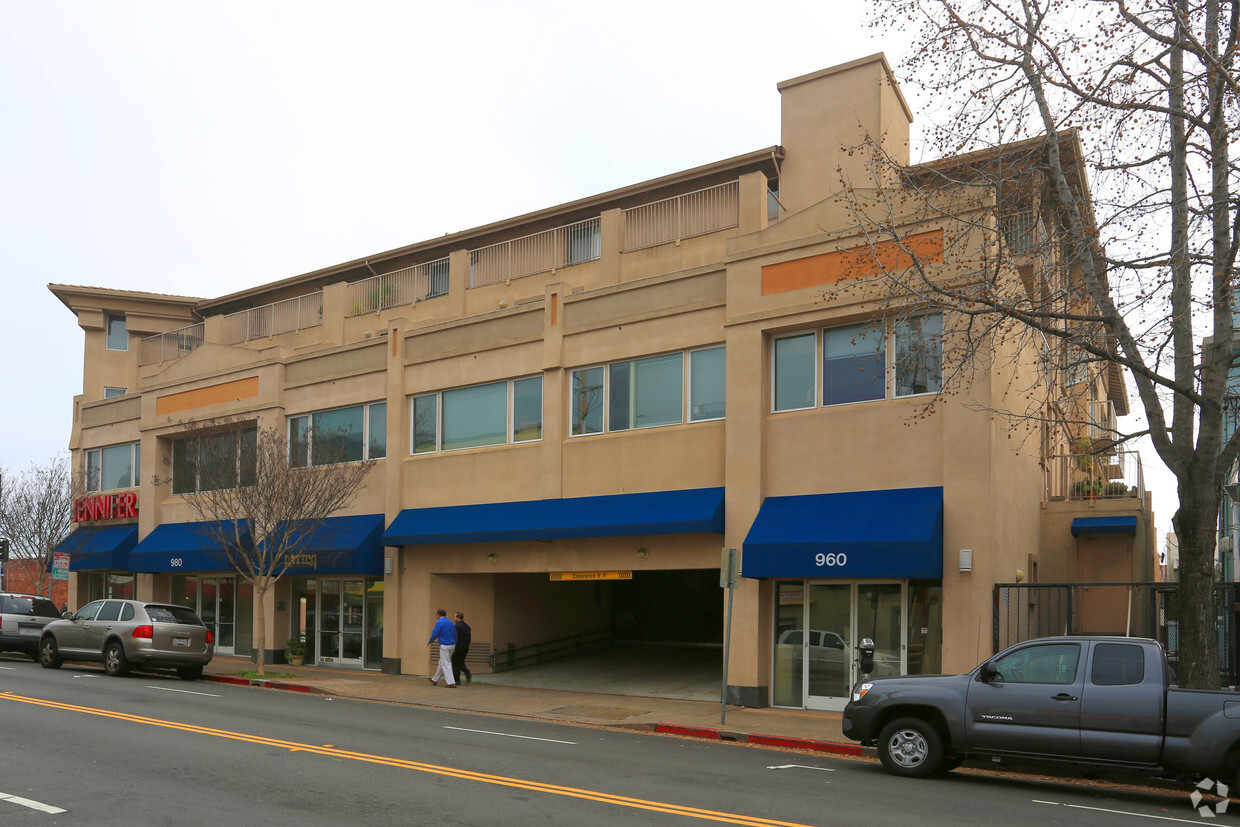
80,748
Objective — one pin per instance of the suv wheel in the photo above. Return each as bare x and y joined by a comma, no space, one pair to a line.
114,661
49,655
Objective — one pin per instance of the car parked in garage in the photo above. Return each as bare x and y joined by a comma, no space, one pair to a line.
129,634
22,618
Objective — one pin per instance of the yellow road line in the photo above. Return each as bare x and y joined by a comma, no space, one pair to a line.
467,775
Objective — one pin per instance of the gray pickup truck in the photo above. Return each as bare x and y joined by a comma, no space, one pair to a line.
1102,703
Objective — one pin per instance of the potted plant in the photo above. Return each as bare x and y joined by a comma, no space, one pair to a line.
294,651
1088,488
1116,489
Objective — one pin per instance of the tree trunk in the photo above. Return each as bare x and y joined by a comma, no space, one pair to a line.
1199,628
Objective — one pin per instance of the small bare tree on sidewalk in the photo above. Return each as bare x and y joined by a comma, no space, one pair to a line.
257,505
36,510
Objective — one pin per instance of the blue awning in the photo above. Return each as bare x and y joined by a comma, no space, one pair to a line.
893,533
100,548
178,547
341,545
1112,524
697,510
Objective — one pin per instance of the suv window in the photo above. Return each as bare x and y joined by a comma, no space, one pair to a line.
28,606
88,611
172,614
110,611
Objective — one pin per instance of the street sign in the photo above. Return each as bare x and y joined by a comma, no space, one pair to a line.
60,566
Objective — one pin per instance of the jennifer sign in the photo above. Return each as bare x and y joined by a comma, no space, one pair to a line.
105,507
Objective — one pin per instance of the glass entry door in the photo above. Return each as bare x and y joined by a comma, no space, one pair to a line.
341,607
818,627
219,609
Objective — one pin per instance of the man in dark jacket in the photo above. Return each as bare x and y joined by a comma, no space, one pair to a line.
463,637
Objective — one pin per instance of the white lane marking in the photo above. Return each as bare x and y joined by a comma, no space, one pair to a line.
34,805
10,668
800,767
85,676
1120,812
510,735
186,691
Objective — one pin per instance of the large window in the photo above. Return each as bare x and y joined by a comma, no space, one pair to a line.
497,413
213,462
116,466
849,363
338,435
645,393
117,335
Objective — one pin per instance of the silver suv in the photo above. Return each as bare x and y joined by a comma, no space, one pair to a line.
22,618
125,634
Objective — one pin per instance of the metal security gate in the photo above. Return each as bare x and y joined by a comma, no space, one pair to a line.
1140,609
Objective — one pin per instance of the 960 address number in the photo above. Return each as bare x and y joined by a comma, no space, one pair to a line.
833,559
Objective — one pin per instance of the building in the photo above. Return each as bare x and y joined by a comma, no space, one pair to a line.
577,409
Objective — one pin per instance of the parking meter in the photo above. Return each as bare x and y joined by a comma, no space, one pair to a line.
866,661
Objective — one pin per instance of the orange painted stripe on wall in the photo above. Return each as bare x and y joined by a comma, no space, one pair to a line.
210,395
852,263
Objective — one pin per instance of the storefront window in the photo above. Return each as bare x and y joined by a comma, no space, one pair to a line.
789,643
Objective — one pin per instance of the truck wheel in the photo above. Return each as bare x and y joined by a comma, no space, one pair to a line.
910,747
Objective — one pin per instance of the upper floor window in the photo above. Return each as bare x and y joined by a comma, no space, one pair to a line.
849,363
108,393
496,413
214,462
339,435
117,335
116,466
644,393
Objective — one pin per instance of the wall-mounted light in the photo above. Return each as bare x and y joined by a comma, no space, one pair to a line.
387,565
491,558
966,559
642,554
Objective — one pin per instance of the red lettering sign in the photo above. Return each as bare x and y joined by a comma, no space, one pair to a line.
105,507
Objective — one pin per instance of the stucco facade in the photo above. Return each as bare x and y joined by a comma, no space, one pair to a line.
582,323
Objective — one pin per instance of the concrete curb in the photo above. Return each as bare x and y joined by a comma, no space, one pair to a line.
708,733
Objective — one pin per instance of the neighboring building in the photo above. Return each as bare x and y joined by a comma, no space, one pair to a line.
1169,559
575,410
22,575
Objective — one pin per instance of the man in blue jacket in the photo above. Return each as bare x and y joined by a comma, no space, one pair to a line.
444,632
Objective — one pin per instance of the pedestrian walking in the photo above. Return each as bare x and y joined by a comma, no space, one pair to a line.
463,637
445,632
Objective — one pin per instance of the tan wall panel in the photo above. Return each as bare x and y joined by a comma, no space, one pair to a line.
356,360
114,410
210,395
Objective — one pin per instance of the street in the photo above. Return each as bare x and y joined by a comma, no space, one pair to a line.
81,748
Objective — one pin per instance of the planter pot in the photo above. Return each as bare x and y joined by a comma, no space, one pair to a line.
296,660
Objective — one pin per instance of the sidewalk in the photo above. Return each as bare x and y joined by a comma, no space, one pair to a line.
794,728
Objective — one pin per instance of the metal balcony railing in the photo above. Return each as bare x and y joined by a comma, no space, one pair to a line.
421,281
537,253
1094,476
1022,231
683,216
288,316
174,344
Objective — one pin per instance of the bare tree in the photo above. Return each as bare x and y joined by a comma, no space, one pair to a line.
1087,211
36,509
259,506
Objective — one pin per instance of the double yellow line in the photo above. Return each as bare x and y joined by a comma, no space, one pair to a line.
418,766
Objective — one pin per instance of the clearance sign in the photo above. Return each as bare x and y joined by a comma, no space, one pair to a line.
591,575
105,507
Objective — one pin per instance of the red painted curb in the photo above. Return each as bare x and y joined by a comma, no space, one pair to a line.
692,731
802,743
292,687
226,679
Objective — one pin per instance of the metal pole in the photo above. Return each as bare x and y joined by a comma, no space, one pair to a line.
727,637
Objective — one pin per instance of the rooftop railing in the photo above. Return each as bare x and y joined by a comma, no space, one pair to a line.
537,253
1094,476
174,344
288,316
421,281
682,216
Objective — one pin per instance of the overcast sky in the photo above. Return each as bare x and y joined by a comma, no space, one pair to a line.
198,149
